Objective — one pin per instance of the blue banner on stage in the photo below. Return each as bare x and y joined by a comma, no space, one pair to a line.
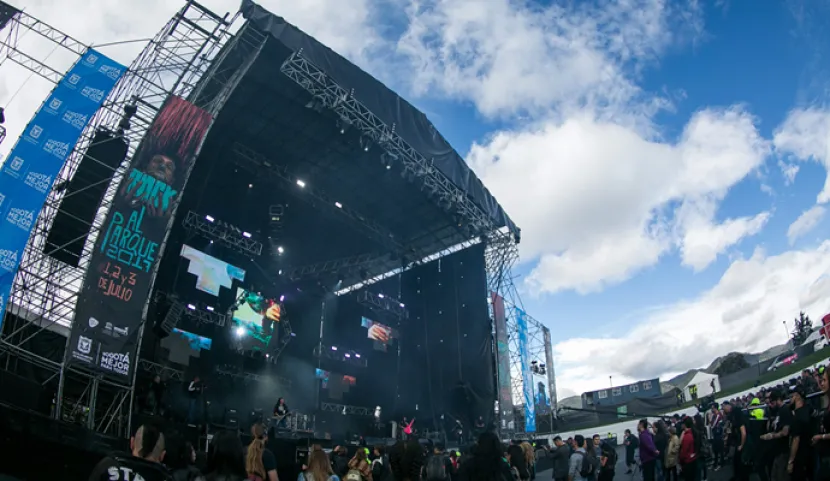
36,159
527,375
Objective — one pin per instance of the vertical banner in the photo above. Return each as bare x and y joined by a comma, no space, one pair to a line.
108,318
550,369
505,394
527,375
37,157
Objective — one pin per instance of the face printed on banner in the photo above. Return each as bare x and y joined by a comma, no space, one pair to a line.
162,168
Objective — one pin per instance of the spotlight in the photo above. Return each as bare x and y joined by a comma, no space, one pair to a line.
279,273
210,308
250,186
280,249
191,307
348,355
402,306
300,183
240,331
333,348
381,296
246,235
357,355
282,298
211,242
365,143
338,205
267,356
209,218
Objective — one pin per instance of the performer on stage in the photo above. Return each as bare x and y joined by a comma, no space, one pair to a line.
406,428
157,396
458,429
280,413
194,391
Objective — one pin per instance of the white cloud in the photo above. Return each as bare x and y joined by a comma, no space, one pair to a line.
789,171
805,135
594,198
806,222
742,312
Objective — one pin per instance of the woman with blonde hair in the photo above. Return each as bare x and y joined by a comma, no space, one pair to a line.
260,463
530,458
319,468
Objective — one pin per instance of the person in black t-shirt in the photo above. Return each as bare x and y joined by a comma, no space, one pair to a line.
145,462
738,440
194,392
778,438
800,463
280,414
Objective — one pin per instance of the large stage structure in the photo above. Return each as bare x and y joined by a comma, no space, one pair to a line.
214,62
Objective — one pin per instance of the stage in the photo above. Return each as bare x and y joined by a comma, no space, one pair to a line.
265,220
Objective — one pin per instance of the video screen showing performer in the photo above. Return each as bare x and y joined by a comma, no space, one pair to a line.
255,319
381,334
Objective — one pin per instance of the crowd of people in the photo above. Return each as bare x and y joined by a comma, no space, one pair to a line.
154,457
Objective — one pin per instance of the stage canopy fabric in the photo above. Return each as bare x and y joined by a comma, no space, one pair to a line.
411,124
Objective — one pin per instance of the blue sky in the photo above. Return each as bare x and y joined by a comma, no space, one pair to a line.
666,160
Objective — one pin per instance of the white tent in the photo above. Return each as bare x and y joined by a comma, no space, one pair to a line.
704,383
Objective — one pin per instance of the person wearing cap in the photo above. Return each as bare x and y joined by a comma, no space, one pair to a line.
758,412
800,465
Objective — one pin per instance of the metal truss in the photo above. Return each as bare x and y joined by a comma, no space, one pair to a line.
23,24
215,231
45,290
206,317
346,410
165,372
415,166
336,266
249,376
262,167
335,354
384,303
2,134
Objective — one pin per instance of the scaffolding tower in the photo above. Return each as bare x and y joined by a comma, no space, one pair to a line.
177,61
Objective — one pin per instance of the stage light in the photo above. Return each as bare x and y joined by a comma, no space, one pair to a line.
191,307
333,348
209,218
211,242
280,249
300,183
240,331
282,298
348,355
210,308
279,273
402,306
246,235
250,186
365,143
267,356
338,205
357,355
381,296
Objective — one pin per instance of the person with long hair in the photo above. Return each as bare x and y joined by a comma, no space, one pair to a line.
181,459
319,468
487,462
406,459
530,458
517,461
226,461
688,455
360,463
260,463
661,442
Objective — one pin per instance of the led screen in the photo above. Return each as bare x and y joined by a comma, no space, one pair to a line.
254,319
195,341
211,273
381,334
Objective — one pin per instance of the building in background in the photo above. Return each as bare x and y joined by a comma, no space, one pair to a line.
621,394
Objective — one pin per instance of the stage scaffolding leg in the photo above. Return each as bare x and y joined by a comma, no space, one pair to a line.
45,290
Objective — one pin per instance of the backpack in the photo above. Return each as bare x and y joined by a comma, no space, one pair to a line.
587,468
436,468
353,475
611,454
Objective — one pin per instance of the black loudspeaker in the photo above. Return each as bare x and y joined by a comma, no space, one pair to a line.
84,192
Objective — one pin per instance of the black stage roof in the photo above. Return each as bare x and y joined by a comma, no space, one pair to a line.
267,128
